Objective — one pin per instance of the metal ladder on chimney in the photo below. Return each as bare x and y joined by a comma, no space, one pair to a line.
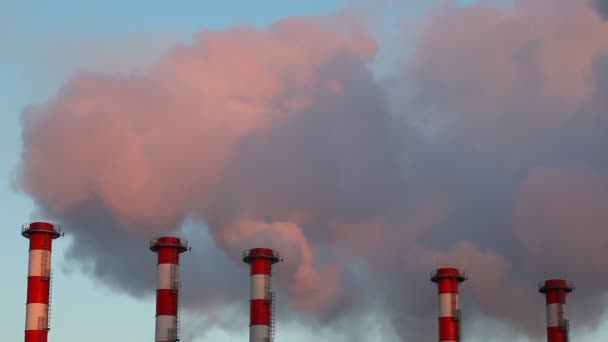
564,324
179,310
456,316
459,313
48,318
48,276
270,300
272,316
176,287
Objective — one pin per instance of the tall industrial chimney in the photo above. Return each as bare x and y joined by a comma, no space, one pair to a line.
41,236
555,290
448,280
168,285
261,321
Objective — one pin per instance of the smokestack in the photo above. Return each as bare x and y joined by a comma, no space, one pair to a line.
261,321
555,290
167,290
448,280
41,235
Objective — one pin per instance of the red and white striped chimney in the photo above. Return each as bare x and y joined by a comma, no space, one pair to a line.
555,291
448,280
261,303
41,236
168,249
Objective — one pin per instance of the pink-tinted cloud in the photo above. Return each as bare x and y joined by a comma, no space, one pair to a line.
146,144
151,149
313,290
560,221
529,68
283,137
561,218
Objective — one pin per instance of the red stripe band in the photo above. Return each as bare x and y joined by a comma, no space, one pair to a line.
168,255
38,290
41,241
556,334
555,296
36,335
261,266
260,312
447,285
448,329
166,302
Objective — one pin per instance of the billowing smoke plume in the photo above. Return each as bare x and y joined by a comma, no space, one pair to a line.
485,152
602,8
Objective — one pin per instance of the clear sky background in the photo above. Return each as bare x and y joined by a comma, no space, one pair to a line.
41,44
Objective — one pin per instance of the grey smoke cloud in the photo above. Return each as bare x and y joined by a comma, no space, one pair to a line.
602,8
482,152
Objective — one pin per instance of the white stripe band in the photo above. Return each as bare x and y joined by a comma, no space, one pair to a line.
166,328
556,313
39,263
258,288
168,277
259,333
36,316
448,303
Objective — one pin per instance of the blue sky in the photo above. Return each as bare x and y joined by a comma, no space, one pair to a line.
32,67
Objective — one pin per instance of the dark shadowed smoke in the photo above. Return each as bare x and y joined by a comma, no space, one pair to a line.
486,153
602,8
507,117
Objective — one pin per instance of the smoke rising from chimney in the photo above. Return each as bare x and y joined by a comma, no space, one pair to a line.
473,155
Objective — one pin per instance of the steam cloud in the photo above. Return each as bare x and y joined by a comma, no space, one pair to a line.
483,152
602,8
